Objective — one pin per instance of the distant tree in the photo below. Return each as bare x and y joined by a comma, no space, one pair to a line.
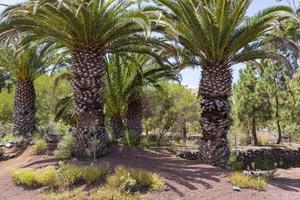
25,66
171,109
252,106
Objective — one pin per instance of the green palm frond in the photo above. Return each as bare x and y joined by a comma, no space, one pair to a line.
28,63
213,32
113,26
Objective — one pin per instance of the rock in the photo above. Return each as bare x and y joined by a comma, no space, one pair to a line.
9,144
237,189
259,174
51,138
31,142
267,158
2,152
167,188
189,155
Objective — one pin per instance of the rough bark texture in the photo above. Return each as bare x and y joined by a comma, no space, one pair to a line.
117,126
24,108
135,115
215,89
89,136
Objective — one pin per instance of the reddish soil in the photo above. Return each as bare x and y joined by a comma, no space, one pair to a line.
187,180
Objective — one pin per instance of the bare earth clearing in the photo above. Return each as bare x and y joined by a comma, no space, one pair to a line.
187,180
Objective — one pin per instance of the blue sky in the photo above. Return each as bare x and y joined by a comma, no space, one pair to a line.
191,77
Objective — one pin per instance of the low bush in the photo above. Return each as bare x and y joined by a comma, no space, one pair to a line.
245,181
108,193
129,179
26,177
47,177
96,173
64,148
67,175
234,164
131,138
40,147
148,142
264,141
264,164
67,195
7,137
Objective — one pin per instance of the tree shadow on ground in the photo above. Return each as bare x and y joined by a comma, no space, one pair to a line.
176,171
288,184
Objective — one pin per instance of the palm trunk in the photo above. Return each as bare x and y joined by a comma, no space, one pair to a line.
254,135
215,89
117,126
278,121
24,108
89,136
135,115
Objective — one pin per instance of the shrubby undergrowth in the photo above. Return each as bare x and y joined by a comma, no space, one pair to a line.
124,184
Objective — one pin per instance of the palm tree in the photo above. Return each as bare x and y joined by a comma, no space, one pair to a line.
24,67
147,74
215,35
127,76
90,30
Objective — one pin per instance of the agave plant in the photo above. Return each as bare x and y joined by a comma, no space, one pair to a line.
89,29
216,35
25,66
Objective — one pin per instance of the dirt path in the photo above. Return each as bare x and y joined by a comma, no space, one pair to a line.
187,180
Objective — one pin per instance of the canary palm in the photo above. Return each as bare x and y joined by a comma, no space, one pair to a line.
127,76
89,29
215,35
24,67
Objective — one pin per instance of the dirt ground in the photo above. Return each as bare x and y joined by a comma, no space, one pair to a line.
187,180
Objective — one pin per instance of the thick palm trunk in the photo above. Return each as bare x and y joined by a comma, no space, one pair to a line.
117,126
135,115
24,108
215,89
90,139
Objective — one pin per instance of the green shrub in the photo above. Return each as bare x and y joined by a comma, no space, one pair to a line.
40,147
64,148
264,141
131,138
147,142
8,137
264,164
109,193
47,177
234,164
127,179
245,181
6,106
68,175
66,195
96,173
26,177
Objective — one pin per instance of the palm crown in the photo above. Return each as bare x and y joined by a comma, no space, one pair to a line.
215,32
